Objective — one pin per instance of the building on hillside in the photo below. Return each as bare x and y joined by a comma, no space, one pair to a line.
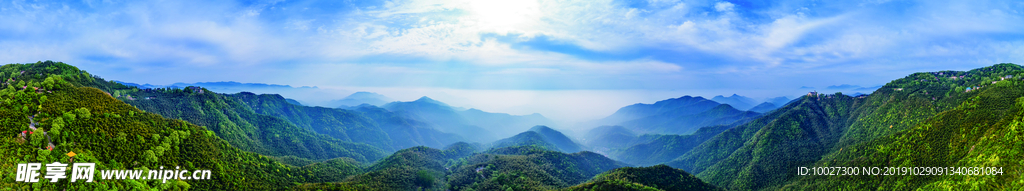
196,89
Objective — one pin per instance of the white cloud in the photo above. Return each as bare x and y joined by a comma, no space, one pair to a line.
724,6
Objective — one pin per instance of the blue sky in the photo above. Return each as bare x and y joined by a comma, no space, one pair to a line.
657,48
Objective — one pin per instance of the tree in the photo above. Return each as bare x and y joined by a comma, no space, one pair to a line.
149,157
424,179
83,112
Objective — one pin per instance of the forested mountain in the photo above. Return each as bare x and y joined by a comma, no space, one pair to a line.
976,128
658,149
659,177
408,169
258,125
564,143
527,168
58,104
736,101
473,124
293,101
800,134
459,167
543,137
369,125
528,138
882,128
264,142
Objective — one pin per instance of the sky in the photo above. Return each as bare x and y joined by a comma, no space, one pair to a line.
572,60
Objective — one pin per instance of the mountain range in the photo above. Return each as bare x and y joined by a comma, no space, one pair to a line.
266,142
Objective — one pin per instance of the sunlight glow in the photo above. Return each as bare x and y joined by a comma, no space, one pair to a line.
503,16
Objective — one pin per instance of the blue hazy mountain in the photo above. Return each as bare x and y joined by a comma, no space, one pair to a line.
681,115
473,124
736,101
293,101
779,101
605,137
680,106
360,98
764,107
674,123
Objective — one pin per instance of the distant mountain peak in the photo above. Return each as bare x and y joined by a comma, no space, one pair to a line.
736,101
540,128
425,98
359,95
360,98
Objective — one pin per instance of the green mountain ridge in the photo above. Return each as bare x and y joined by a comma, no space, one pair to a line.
264,142
543,137
752,156
74,116
660,177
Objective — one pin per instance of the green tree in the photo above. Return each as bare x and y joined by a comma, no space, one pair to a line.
424,179
149,157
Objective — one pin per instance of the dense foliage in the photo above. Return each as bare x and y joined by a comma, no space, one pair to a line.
527,168
894,126
68,115
529,138
233,120
982,131
660,177
665,148
264,142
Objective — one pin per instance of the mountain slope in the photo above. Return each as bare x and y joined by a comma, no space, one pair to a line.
337,123
983,130
665,148
562,142
811,128
528,168
540,136
800,135
57,100
528,138
239,124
